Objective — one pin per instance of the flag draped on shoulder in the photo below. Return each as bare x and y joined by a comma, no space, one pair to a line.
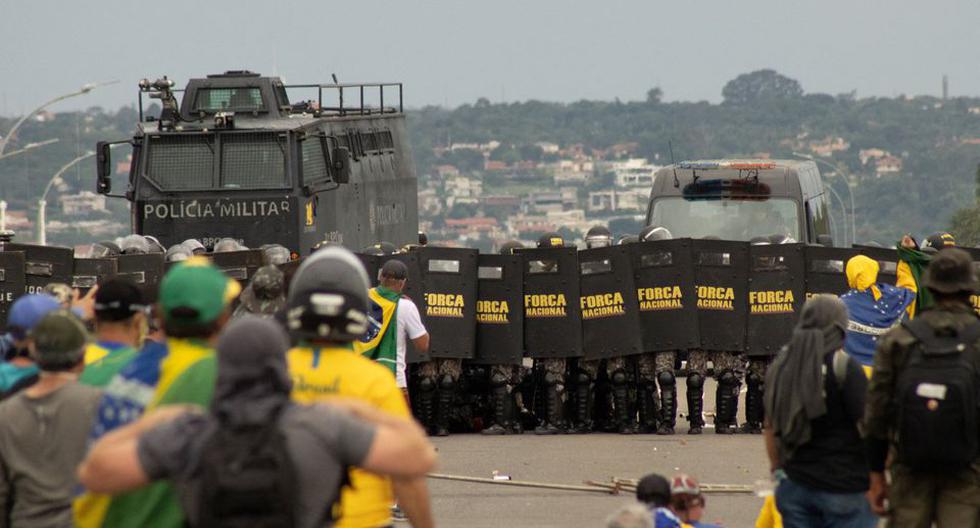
917,262
380,342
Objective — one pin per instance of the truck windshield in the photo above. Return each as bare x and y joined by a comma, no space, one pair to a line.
729,219
246,160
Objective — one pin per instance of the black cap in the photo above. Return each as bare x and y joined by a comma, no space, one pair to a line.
423,238
551,240
653,489
394,269
940,240
118,299
951,271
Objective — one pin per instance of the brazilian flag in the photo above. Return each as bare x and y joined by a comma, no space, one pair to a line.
918,261
380,342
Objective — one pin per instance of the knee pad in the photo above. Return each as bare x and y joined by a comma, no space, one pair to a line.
727,378
667,378
695,381
551,379
583,378
754,378
427,384
619,378
447,382
498,379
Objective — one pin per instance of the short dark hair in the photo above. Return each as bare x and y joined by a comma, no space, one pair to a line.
192,330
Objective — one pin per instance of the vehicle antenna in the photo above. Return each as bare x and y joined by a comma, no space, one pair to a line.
334,76
670,147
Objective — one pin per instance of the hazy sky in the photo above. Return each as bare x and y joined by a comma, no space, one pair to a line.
453,52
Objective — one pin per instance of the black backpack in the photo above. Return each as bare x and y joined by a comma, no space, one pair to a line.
936,399
248,478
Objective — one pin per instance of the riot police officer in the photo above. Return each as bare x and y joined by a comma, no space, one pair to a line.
550,371
658,368
587,370
505,401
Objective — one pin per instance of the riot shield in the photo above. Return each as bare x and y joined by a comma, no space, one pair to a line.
664,276
91,271
500,310
887,262
239,265
777,290
12,281
721,270
552,319
448,300
825,269
608,303
144,270
44,265
372,263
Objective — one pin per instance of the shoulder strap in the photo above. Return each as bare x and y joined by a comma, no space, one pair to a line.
919,329
840,367
934,344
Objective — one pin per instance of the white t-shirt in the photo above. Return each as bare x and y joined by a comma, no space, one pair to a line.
409,324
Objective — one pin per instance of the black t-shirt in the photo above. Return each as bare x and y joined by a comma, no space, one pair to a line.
834,459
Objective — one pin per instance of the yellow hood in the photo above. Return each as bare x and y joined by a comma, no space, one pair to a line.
862,274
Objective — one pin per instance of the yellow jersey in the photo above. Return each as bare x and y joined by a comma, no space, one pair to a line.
320,373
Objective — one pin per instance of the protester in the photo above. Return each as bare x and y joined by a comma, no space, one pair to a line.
394,276
922,406
687,502
19,369
45,427
814,400
194,304
769,516
653,490
630,516
255,459
327,310
873,307
120,320
61,291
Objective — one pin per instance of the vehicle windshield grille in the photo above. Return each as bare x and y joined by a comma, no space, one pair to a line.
253,161
181,163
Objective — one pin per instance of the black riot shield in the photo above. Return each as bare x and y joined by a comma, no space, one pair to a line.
239,265
144,270
552,319
44,265
663,273
12,281
887,262
825,269
91,271
777,291
448,300
721,270
608,303
500,310
372,263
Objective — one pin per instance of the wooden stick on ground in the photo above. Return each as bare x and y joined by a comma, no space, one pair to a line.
523,483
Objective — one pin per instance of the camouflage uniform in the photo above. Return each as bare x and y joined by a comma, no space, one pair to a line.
654,368
552,373
729,369
443,374
950,498
265,294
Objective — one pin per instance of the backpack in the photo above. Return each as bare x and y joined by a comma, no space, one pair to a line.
248,478
936,400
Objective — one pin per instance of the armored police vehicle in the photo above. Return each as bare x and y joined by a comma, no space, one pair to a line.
741,200
237,158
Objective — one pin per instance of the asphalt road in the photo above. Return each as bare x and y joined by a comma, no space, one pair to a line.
572,459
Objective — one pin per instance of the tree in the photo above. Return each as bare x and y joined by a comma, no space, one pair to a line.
965,226
761,85
655,95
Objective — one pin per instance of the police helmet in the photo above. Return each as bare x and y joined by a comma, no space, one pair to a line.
275,254
408,247
651,233
226,245
177,253
940,240
423,238
155,245
781,239
598,236
105,248
328,298
134,245
627,239
374,250
194,246
508,248
551,240
760,241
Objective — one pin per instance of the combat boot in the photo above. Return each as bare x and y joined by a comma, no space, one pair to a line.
695,401
583,404
647,407
753,404
424,404
668,402
726,401
445,400
625,422
500,410
552,423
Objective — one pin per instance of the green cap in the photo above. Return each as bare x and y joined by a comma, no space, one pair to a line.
196,292
59,341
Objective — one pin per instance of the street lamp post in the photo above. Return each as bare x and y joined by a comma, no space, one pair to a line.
81,91
847,180
28,147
